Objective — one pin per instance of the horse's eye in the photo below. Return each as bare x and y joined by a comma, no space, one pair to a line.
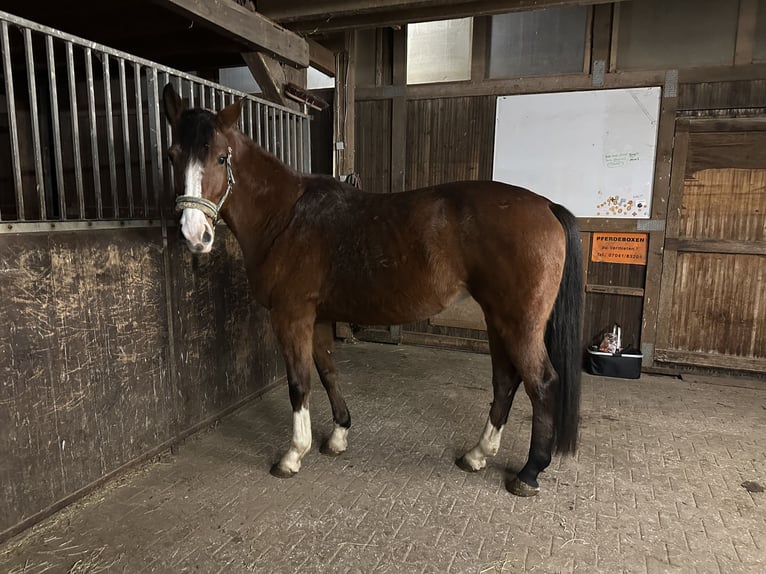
222,159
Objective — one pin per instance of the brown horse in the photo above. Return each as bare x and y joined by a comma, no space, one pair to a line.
318,251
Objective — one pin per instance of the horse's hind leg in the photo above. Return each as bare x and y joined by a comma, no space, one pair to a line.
541,384
505,381
325,364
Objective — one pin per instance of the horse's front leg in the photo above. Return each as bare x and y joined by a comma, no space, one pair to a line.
295,334
325,364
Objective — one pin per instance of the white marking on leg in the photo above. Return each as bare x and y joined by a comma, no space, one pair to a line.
488,445
194,224
338,441
301,442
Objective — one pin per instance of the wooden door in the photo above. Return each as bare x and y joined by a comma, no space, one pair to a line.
713,291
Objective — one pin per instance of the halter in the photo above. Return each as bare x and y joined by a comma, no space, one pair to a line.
205,205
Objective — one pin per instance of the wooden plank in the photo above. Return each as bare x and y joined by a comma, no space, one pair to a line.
660,195
312,17
717,246
458,343
726,124
607,224
601,35
252,29
345,81
667,277
269,75
567,82
746,26
714,360
724,204
399,115
726,150
321,58
480,48
615,290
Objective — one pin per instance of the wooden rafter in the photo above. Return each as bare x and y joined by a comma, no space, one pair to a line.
322,16
255,31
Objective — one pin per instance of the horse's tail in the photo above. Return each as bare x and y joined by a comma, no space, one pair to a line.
563,336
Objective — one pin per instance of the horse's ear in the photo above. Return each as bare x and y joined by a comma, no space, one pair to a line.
174,105
229,116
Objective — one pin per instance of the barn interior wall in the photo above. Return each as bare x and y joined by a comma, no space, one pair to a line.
114,346
447,131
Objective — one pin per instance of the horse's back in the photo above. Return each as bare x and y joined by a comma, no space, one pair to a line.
392,258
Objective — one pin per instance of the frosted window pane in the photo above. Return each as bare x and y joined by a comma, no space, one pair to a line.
537,43
657,34
439,51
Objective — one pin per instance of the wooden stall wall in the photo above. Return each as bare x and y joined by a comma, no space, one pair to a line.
714,307
113,347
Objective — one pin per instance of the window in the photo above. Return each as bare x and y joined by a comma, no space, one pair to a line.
656,34
538,43
439,51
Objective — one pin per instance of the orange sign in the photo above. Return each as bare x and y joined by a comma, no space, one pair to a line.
619,248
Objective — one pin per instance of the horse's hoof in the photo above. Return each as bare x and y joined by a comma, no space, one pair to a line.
463,465
521,488
324,448
280,472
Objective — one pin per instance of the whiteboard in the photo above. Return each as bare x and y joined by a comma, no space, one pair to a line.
591,151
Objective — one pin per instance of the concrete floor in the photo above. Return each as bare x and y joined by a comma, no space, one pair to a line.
657,485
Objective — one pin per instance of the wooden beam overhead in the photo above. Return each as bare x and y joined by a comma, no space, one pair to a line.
255,31
322,58
323,16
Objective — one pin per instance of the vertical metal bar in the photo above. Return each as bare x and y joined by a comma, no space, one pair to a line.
273,128
301,157
75,128
12,124
110,134
191,94
140,137
168,132
56,124
93,132
202,96
155,134
126,138
307,145
259,135
282,137
250,118
39,176
287,142
294,139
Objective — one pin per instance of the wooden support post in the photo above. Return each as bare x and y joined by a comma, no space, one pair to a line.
654,263
343,125
399,114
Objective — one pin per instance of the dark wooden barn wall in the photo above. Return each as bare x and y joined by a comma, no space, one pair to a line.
449,139
86,355
373,145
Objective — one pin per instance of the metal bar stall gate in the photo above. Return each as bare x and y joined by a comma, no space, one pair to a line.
87,145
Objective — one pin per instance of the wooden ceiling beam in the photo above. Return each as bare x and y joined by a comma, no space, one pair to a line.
322,58
323,16
255,31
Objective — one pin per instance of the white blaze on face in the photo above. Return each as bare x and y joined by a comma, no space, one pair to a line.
194,224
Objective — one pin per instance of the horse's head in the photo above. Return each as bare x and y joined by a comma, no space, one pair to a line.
201,156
